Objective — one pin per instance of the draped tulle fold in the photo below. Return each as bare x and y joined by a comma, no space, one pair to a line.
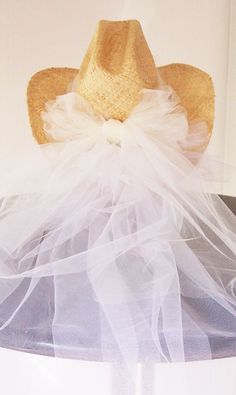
116,251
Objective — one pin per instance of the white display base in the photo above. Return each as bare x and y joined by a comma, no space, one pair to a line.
27,374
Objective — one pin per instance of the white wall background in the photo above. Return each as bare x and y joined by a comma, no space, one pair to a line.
230,135
36,34
40,375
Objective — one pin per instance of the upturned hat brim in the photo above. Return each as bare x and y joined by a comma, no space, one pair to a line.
192,85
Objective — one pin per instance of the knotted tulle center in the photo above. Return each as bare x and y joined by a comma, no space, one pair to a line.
113,130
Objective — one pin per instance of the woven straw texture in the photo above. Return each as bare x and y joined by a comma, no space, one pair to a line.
118,63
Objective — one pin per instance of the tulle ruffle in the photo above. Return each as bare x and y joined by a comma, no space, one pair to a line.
115,251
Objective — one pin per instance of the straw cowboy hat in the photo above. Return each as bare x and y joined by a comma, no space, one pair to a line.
117,65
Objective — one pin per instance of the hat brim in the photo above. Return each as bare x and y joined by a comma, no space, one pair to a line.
192,85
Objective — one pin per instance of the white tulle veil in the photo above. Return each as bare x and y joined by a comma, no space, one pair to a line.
111,248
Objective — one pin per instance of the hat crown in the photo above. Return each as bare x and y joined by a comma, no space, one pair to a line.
117,65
